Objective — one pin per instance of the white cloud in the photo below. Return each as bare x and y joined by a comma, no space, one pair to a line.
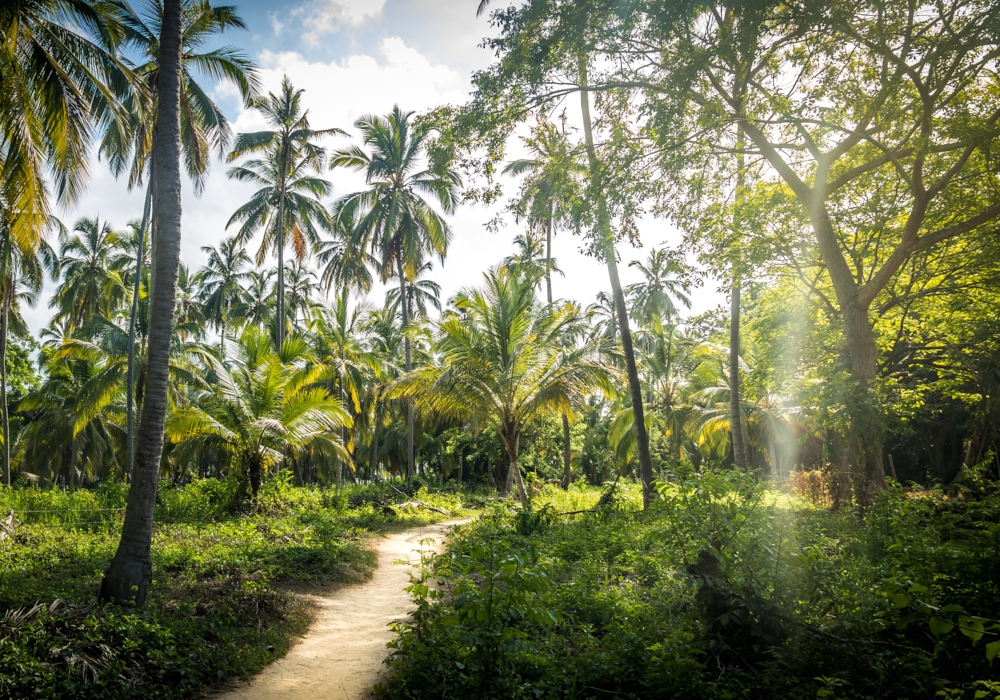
276,24
322,17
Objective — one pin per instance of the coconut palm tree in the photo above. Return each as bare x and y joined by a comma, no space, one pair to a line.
421,294
21,279
391,218
257,302
287,201
259,406
343,265
204,126
552,185
300,291
129,574
56,86
221,284
90,284
503,361
351,368
666,283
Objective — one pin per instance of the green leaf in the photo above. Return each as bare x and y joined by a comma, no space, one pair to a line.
992,649
900,601
971,628
940,626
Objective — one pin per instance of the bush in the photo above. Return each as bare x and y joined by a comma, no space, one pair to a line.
724,589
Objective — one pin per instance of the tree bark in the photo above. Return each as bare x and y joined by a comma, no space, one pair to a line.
133,312
461,465
608,244
514,472
404,308
735,417
280,316
130,572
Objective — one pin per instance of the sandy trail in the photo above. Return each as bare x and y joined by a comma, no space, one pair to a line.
341,655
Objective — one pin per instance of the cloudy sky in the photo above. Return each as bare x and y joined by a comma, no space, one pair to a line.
355,57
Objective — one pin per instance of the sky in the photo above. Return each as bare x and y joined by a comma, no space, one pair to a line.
355,57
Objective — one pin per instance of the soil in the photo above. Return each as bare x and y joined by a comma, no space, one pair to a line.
341,656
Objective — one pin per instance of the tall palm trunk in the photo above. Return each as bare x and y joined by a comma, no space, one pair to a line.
8,290
133,312
404,306
130,572
567,456
735,417
280,330
604,225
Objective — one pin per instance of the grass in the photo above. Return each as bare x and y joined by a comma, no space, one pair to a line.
218,607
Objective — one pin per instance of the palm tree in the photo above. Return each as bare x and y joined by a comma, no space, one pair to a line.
665,281
204,126
299,292
503,361
90,284
129,574
350,366
531,259
604,317
55,87
391,218
421,294
20,266
552,186
220,281
343,265
260,406
189,315
287,201
605,245
256,304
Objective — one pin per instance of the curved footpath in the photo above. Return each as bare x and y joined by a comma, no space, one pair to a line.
341,655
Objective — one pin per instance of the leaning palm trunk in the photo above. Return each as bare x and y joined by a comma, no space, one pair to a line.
621,311
130,373
130,572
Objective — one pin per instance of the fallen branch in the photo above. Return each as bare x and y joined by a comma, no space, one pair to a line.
421,504
577,512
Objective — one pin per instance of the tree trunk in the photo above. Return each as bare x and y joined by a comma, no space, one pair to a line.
461,465
255,476
865,470
404,308
567,455
735,417
514,472
8,284
130,572
133,313
280,320
548,255
608,244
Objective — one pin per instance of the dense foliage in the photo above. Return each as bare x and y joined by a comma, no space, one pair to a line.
220,605
726,589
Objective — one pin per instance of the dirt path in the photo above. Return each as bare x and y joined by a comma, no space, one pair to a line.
341,655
